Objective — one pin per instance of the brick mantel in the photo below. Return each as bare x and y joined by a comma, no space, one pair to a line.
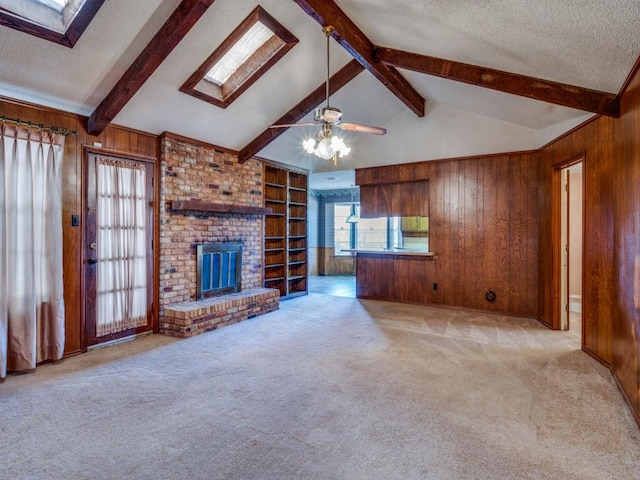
199,205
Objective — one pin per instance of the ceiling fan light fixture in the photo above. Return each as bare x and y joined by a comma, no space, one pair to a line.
325,144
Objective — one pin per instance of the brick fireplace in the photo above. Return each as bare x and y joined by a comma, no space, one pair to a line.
192,172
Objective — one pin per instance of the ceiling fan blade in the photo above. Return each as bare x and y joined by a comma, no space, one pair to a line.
287,125
357,127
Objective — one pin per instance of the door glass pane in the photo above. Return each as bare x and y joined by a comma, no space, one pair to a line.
121,233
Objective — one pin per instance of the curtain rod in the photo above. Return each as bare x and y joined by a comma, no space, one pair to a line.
40,126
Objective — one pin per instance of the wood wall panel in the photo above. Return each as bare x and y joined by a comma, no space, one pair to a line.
483,227
398,199
626,246
595,143
610,309
113,138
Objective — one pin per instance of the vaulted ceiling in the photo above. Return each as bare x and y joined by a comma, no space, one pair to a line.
445,78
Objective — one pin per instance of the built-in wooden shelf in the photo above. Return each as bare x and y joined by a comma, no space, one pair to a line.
202,206
288,187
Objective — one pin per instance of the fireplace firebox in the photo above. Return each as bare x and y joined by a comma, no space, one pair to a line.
219,269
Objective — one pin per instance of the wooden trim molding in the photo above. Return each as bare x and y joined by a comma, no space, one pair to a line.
634,71
198,143
336,82
284,166
118,154
538,89
161,45
354,41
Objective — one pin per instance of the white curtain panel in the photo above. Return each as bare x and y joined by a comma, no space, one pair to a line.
31,287
121,237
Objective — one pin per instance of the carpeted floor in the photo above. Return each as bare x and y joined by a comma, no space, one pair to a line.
326,388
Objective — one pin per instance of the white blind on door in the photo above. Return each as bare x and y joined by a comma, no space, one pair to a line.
121,246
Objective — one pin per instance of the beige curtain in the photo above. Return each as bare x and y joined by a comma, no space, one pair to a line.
121,237
31,288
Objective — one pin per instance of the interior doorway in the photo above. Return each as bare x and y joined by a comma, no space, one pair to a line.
571,238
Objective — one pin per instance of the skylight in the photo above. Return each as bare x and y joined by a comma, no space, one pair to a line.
250,42
246,54
59,21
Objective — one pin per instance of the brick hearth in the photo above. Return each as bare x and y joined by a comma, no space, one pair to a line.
188,319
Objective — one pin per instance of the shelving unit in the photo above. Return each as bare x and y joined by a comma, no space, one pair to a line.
285,235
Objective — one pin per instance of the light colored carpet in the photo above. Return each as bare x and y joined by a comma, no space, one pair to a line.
326,388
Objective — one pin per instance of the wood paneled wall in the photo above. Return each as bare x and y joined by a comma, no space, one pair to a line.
625,348
611,282
403,199
594,143
113,138
483,217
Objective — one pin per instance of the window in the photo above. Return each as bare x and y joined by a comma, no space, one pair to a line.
251,49
384,233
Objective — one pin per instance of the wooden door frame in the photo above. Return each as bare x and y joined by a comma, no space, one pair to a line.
556,235
88,150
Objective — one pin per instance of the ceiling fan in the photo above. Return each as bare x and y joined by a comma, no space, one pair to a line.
325,144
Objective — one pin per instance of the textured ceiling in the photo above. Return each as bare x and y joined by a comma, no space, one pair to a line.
587,43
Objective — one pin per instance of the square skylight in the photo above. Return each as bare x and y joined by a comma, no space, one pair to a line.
250,42
59,21
245,55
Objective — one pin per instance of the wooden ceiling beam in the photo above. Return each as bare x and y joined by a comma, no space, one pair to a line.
183,18
347,34
545,90
315,98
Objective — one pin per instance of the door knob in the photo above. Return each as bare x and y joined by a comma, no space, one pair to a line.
92,261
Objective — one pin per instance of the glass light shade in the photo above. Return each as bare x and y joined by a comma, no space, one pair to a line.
339,146
325,149
309,145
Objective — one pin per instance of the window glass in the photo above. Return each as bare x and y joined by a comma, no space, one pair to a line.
250,42
342,230
371,233
384,233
